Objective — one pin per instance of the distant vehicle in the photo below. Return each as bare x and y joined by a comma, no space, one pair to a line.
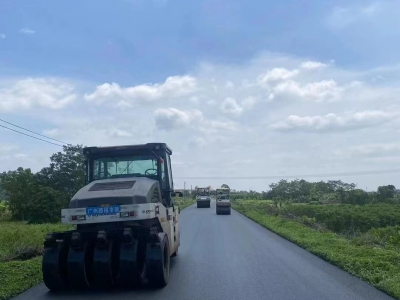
203,197
223,205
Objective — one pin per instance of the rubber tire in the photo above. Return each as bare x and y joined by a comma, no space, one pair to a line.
54,267
156,269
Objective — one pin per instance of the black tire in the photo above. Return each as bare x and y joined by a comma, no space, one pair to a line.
158,262
54,267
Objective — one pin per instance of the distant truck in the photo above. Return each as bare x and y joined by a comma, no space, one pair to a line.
223,205
203,198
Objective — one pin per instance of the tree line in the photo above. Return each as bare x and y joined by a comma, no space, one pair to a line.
331,191
39,197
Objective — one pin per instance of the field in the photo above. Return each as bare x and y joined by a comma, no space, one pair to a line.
362,240
21,247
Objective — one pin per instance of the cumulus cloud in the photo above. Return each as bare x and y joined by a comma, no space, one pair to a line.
280,83
276,75
27,31
333,122
230,106
173,87
8,151
28,93
172,118
312,65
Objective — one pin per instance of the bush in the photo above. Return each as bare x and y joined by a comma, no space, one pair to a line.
45,206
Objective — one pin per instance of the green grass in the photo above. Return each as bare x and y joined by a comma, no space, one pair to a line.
18,276
20,242
376,265
184,202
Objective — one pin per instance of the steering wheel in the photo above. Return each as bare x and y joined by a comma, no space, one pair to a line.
147,173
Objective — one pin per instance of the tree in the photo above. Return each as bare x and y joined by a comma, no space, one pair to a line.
66,172
386,193
225,186
45,206
20,186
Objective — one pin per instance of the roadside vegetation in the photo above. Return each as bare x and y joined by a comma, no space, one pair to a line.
355,230
184,202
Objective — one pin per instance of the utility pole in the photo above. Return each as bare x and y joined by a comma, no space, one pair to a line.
184,190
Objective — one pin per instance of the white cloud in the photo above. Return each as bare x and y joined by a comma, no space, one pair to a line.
325,90
172,118
249,102
173,87
27,31
229,106
215,115
281,83
2,36
28,93
333,122
276,75
312,65
11,152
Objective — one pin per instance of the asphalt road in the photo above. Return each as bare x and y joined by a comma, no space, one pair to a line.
231,257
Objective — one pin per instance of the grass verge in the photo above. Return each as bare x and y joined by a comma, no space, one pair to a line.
183,203
380,267
18,276
21,241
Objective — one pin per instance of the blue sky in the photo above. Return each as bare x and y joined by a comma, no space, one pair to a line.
143,40
236,63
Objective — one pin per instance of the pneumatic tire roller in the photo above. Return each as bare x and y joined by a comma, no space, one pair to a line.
223,203
203,202
203,198
127,227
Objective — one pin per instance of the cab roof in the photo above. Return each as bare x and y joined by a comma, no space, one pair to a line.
148,146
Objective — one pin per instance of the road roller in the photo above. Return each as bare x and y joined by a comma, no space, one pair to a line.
125,223
203,198
223,202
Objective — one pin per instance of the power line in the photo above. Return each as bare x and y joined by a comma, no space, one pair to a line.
34,132
361,173
31,136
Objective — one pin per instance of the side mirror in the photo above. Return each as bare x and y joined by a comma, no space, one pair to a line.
175,194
